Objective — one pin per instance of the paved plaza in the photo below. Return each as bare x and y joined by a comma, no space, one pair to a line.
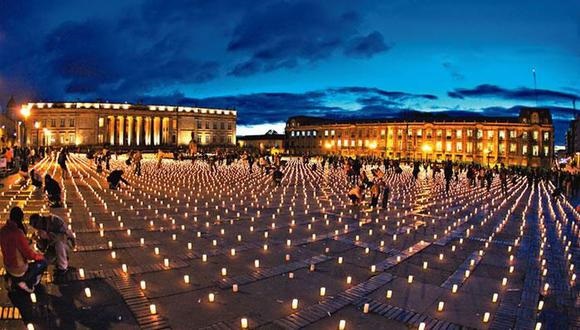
188,247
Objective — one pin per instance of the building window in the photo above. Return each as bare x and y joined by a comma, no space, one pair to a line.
458,133
525,135
332,132
222,125
459,146
448,146
469,147
439,133
229,125
535,150
199,124
207,125
292,133
352,144
546,136
546,151
429,133
489,147
307,133
400,132
502,135
438,146
214,125
535,135
502,148
101,122
313,133
513,147
479,134
53,123
448,133
325,132
383,132
71,123
62,123
479,147
524,150
490,134
469,133
513,134
71,138
339,143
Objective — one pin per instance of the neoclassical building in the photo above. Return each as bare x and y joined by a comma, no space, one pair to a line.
526,139
123,124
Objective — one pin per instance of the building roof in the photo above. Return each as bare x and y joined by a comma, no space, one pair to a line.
421,117
127,106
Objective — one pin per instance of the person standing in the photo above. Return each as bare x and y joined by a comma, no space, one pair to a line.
137,157
62,158
54,238
448,174
16,253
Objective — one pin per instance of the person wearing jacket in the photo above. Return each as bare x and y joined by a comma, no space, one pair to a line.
17,253
54,238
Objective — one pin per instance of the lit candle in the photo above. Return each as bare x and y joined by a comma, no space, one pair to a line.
143,285
81,273
440,306
366,308
153,309
244,323
322,291
294,303
88,292
486,317
341,325
186,279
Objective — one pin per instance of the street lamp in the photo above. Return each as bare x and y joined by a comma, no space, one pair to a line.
25,112
37,126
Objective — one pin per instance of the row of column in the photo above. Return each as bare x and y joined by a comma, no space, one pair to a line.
137,130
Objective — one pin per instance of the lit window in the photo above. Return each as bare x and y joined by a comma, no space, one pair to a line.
101,122
382,132
458,133
546,151
524,150
513,147
332,132
535,151
448,133
352,143
314,133
448,146
513,134
479,134
502,134
71,122
439,133
292,133
459,146
490,134
325,132
535,135
438,146
502,148
469,133
469,147
546,136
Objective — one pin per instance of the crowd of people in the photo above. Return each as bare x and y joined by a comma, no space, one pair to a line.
366,176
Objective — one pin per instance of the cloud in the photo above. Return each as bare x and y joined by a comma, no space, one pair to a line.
339,102
286,34
366,46
453,70
517,94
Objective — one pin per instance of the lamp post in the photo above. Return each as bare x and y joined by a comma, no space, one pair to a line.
25,111
37,126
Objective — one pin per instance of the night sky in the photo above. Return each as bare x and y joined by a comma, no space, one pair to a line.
273,59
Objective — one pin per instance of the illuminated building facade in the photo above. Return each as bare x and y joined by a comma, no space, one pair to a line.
263,143
526,140
122,124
